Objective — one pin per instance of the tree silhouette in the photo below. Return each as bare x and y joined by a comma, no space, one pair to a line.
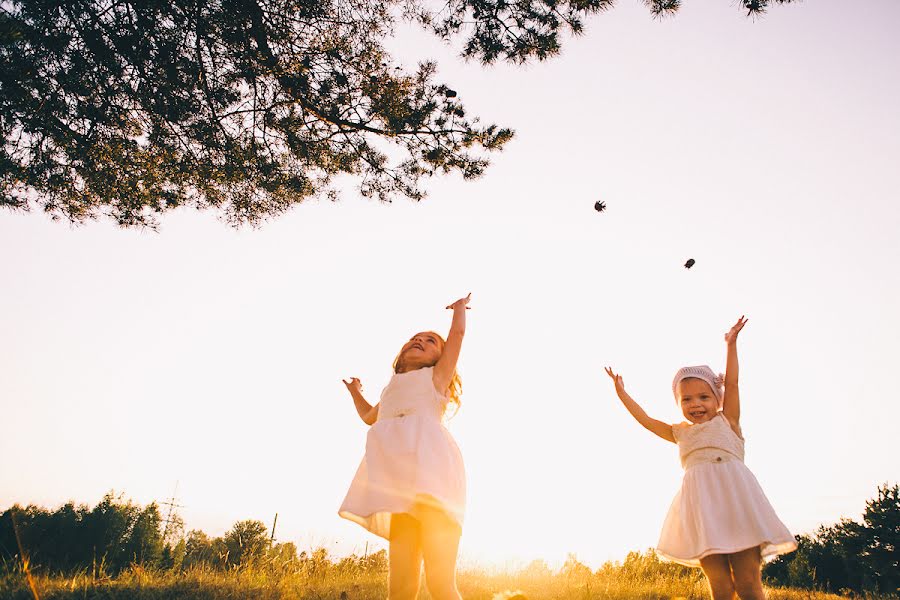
129,109
200,550
246,542
109,537
144,543
882,522
848,555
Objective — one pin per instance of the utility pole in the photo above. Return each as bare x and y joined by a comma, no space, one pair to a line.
275,522
171,513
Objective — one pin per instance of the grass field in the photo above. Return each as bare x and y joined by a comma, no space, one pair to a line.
204,584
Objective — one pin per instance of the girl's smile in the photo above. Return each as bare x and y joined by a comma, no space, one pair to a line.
698,402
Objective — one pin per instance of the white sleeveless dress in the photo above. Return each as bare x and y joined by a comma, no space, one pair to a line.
720,508
411,459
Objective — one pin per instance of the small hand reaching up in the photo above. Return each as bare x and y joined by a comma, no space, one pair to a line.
353,385
731,401
617,380
461,302
659,428
731,336
445,369
366,411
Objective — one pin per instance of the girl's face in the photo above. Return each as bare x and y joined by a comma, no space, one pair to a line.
698,402
422,350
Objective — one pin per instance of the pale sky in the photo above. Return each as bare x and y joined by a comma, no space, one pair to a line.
767,150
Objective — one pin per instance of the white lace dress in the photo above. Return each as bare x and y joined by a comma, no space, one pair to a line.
720,508
411,459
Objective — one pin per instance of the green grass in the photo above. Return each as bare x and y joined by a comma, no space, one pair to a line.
207,584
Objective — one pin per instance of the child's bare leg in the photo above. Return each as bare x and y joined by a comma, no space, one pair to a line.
747,575
440,543
718,574
404,558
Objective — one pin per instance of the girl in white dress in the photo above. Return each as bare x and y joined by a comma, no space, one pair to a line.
720,519
410,487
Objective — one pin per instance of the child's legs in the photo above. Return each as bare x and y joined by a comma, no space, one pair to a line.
404,558
718,574
747,574
440,543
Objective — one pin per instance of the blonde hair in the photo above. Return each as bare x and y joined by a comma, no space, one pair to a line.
454,390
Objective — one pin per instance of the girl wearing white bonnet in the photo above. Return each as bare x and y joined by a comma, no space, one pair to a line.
704,373
720,520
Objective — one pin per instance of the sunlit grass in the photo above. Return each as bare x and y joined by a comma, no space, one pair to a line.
263,584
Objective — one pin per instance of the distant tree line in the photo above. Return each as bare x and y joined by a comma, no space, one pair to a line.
848,556
111,535
116,534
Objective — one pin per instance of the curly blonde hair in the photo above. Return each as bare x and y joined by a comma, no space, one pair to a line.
454,390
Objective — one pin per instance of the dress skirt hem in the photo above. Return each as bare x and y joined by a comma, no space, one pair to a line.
768,551
721,509
379,521
412,466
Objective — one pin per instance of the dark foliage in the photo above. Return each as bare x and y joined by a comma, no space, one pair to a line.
853,556
130,109
111,536
116,534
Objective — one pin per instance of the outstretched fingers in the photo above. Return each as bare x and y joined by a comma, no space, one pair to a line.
617,379
736,329
462,302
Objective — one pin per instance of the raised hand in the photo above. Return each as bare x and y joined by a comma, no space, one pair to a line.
617,380
731,336
659,428
353,385
731,401
461,302
366,412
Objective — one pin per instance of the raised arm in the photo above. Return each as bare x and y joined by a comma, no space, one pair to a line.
663,430
367,412
446,364
731,402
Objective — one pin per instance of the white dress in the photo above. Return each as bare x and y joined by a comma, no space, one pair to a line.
720,508
411,459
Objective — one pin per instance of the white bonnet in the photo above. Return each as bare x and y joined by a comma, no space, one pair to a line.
716,382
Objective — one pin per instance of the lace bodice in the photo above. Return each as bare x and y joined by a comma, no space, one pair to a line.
411,393
712,441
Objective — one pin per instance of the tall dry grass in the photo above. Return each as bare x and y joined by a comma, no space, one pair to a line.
259,584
